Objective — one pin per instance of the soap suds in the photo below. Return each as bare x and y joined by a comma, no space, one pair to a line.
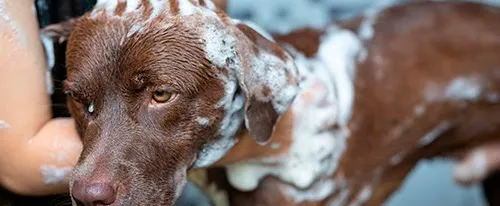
435,133
202,121
187,8
4,125
220,46
48,46
229,125
396,159
157,7
480,163
54,175
363,196
341,199
419,110
325,99
91,107
256,71
275,146
493,97
319,191
464,89
459,89
474,168
136,28
347,46
366,30
132,5
9,27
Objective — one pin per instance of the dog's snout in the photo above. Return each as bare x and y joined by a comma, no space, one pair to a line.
94,194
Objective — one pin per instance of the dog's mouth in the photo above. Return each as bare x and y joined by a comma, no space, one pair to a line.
126,197
135,191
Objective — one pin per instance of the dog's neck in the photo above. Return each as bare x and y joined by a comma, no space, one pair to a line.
309,139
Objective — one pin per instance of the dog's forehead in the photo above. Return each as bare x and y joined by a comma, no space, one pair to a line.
114,23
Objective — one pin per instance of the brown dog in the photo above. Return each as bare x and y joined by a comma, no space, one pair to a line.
426,85
159,87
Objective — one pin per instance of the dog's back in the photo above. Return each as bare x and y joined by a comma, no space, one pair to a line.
426,84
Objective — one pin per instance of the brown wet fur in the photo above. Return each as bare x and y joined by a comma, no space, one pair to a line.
141,148
417,43
414,44
125,140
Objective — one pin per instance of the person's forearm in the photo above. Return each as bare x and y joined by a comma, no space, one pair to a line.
35,151
42,164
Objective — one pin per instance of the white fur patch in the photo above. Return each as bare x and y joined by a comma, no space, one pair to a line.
54,175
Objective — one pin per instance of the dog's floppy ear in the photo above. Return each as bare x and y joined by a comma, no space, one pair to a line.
269,78
59,32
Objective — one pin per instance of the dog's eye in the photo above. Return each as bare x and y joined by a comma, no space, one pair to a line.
161,96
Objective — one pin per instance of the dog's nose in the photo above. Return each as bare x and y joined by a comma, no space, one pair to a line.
94,194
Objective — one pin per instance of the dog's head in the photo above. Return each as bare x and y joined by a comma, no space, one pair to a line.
157,87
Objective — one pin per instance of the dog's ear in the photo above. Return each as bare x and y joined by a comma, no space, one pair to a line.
59,32
269,78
